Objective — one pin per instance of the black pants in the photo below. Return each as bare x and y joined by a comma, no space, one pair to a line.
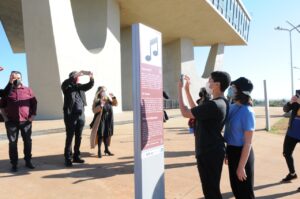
74,125
210,169
240,189
12,130
288,149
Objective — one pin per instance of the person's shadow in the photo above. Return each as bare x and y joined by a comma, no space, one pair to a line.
272,196
81,172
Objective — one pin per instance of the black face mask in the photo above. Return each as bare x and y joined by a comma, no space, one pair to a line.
17,82
201,94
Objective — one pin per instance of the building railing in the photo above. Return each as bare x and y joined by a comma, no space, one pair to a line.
235,13
171,104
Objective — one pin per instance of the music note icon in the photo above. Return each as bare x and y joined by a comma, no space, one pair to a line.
153,42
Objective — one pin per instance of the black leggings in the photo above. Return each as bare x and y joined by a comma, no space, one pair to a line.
240,189
288,149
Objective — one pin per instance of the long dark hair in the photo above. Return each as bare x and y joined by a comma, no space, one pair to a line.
243,98
204,95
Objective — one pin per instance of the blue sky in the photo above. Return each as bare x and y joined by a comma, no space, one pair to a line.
266,56
10,61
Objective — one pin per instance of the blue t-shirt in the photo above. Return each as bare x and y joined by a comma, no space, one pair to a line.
294,131
241,118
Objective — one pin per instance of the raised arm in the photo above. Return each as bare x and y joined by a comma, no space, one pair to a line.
185,112
114,101
89,85
290,105
187,91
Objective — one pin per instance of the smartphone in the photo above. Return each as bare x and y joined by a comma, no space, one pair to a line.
181,78
298,93
85,72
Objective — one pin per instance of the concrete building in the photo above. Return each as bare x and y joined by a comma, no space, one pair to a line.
61,36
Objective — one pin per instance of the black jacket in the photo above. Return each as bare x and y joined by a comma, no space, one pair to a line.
69,88
294,107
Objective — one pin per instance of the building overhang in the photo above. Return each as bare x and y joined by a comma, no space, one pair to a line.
12,20
206,22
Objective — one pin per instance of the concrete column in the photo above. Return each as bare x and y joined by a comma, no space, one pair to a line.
61,36
214,60
179,59
126,57
171,67
42,63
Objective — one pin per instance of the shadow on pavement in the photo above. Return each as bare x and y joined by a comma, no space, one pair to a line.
277,195
82,172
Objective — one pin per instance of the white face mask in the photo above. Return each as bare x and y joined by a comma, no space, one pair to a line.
208,89
231,92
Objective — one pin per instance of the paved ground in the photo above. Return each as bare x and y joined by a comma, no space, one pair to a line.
112,177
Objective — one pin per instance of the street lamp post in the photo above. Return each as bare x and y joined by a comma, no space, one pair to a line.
291,49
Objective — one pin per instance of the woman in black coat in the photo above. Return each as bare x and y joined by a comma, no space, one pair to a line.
103,122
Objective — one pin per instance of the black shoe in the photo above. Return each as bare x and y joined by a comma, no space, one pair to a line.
289,177
29,165
68,163
108,153
78,160
99,154
14,168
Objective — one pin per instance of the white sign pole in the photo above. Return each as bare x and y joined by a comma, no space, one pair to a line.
148,112
267,107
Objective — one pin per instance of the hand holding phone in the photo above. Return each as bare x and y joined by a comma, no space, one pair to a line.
181,78
86,72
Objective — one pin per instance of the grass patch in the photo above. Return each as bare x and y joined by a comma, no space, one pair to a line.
281,126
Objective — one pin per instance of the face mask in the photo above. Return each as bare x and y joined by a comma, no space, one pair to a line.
17,82
208,89
200,94
231,92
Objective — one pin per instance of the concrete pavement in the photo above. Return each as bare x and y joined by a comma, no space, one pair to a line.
112,176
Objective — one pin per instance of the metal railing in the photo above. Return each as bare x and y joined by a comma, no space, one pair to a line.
171,104
235,13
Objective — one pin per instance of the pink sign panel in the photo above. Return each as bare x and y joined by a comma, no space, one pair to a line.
151,106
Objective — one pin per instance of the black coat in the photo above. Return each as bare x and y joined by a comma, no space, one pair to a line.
70,88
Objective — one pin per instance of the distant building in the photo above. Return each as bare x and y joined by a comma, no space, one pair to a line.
66,35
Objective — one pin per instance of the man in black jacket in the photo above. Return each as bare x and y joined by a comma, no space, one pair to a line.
74,102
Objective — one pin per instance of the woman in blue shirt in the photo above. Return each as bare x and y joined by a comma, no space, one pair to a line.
239,129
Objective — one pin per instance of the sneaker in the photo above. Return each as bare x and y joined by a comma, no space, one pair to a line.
78,160
289,177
